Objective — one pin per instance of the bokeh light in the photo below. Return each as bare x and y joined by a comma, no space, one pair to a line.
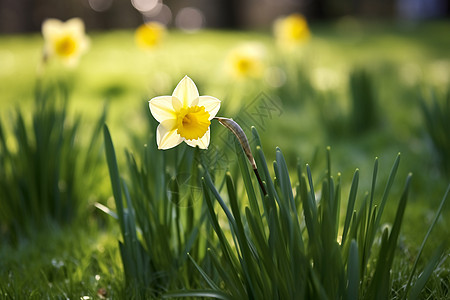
145,5
190,19
325,79
161,14
275,77
100,5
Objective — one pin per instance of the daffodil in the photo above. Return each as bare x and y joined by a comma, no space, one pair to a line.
65,40
149,35
184,116
291,31
246,61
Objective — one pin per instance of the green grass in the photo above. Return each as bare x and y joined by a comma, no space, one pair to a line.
402,62
51,265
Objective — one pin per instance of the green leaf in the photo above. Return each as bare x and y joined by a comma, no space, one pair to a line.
387,189
243,166
353,272
380,286
223,242
350,205
205,276
436,217
197,293
114,175
247,260
425,275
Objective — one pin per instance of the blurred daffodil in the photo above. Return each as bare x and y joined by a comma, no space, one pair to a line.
149,35
184,116
246,61
66,41
291,31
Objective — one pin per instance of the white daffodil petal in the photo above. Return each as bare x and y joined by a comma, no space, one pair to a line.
176,104
75,25
161,108
195,102
202,142
169,124
186,91
211,105
51,27
167,139
85,44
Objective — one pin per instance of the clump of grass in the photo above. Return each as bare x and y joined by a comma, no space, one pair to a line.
290,243
46,175
436,114
161,217
50,265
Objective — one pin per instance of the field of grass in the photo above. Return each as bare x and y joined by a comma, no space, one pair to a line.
303,102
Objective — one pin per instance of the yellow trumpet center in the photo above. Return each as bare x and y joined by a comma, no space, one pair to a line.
149,35
65,46
297,28
193,122
297,33
246,66
243,65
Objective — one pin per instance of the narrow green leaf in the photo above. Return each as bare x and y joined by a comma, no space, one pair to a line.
114,175
313,204
216,194
226,248
425,275
353,272
230,274
337,205
436,217
380,286
285,181
197,293
350,205
262,164
387,189
106,210
249,268
319,290
243,165
205,276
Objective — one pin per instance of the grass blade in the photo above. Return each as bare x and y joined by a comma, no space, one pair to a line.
114,175
423,278
196,294
350,205
353,272
436,217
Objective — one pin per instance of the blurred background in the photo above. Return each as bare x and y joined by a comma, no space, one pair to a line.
18,16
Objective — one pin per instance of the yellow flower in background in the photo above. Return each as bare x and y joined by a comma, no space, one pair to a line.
184,116
247,61
66,41
291,31
149,35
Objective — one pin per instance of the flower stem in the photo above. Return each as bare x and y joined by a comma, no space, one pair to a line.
234,127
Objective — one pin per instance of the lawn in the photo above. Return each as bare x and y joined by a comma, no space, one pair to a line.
302,102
